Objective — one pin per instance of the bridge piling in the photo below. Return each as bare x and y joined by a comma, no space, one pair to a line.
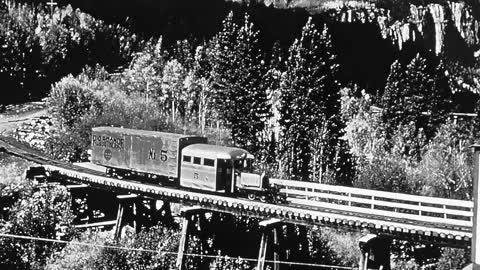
476,210
270,226
186,214
375,252
124,201
78,196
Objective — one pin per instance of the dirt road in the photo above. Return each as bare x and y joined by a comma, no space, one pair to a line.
9,121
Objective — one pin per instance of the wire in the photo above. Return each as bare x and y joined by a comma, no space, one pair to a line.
6,235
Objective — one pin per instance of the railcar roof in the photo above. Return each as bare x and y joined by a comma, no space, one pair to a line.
215,151
141,132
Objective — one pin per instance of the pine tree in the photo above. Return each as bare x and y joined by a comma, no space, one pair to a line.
251,101
417,96
390,100
309,106
272,80
239,90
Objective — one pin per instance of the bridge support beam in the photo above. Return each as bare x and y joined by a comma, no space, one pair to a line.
37,173
78,196
476,210
125,201
375,252
187,214
270,228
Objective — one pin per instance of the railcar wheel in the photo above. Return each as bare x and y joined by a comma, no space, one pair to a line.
263,199
251,197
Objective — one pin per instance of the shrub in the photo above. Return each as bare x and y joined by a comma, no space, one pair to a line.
446,166
69,100
43,213
334,247
162,240
80,103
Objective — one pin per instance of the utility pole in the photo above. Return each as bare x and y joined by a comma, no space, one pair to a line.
52,5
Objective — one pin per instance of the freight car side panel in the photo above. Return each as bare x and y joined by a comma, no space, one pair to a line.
110,149
139,150
156,155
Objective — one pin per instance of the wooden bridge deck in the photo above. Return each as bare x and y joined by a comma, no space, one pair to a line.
403,216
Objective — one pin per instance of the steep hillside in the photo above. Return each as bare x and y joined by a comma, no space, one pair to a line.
368,35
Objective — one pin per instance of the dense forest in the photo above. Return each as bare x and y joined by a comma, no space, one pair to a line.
315,94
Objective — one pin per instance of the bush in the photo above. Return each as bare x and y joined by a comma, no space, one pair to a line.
334,247
446,166
69,100
162,240
80,103
42,213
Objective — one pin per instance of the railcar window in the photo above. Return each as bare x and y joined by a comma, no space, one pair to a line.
187,159
196,160
209,162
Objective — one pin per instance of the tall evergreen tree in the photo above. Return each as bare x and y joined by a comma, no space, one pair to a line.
272,79
309,106
417,96
239,90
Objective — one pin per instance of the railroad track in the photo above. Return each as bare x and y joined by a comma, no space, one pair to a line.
300,211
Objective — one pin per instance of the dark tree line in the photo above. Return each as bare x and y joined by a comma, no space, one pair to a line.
37,50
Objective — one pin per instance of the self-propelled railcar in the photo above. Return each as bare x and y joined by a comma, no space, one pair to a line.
181,160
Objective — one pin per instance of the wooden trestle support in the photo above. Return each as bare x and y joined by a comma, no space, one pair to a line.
375,252
139,212
279,241
270,229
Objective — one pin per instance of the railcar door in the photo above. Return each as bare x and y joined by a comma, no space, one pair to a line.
224,173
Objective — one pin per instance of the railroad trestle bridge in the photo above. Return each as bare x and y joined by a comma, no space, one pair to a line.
400,216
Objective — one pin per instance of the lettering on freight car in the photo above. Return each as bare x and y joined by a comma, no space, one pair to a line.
108,141
152,155
163,155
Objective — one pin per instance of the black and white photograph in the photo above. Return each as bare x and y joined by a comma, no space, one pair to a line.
239,134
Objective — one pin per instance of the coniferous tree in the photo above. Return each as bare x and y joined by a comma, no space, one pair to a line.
309,106
416,96
239,90
272,79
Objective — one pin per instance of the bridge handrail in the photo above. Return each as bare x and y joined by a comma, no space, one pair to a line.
371,202
375,193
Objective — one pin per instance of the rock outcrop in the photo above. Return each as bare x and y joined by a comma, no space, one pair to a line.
424,21
429,21
35,132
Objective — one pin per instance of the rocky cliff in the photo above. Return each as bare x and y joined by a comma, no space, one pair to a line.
432,23
425,22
